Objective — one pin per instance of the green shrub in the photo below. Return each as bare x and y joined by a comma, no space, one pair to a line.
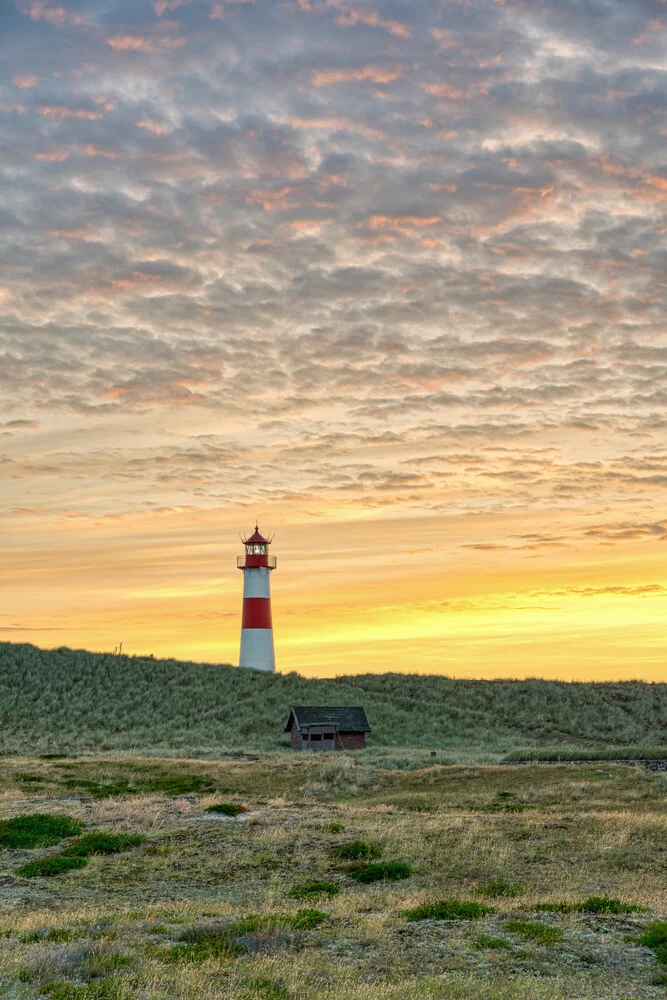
335,827
37,830
603,904
449,909
484,942
56,865
311,890
304,920
264,989
102,842
555,907
535,931
655,938
382,871
358,850
227,809
498,888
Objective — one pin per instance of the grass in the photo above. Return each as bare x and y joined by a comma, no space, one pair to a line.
533,930
484,942
603,904
449,909
227,809
381,871
99,702
102,842
37,830
76,854
58,864
358,850
314,890
499,888
200,943
655,938
207,908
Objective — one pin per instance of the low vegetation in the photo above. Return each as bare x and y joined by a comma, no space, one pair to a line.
313,890
449,909
381,871
227,809
566,900
96,701
37,830
532,930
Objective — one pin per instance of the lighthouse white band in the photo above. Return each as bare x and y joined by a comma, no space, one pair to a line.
256,582
257,648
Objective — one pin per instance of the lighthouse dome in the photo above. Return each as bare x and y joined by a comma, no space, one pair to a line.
256,539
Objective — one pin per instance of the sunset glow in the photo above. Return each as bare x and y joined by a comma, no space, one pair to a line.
388,277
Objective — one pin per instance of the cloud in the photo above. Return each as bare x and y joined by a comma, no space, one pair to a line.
56,14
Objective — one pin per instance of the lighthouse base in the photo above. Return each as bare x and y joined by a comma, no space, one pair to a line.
257,649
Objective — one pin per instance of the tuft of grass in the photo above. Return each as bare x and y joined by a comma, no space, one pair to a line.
227,809
76,855
603,904
311,890
265,989
58,864
535,931
58,934
37,830
655,938
99,989
306,920
200,943
449,909
359,850
498,888
102,842
335,827
555,907
484,943
382,871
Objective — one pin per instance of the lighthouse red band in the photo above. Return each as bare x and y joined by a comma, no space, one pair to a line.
256,627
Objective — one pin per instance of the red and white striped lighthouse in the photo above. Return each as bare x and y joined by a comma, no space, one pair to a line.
256,628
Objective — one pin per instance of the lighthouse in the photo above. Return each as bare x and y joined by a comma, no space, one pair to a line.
256,628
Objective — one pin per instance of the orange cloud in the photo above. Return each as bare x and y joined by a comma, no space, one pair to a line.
138,43
107,154
25,80
61,111
403,221
446,90
371,74
54,156
42,10
153,127
349,17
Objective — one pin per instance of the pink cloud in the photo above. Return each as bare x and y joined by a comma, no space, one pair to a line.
24,81
42,10
372,74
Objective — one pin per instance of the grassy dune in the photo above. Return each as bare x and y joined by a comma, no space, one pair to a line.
552,882
74,701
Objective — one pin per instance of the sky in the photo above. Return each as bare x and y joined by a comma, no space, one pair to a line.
389,277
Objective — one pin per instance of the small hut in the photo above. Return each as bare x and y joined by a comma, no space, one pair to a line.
327,727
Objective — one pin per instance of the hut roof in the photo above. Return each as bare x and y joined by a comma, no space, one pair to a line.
345,719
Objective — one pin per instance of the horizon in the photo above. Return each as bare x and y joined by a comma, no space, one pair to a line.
388,277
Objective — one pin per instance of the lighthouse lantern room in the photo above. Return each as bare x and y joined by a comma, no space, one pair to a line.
256,627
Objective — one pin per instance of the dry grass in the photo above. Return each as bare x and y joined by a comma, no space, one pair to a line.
107,932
